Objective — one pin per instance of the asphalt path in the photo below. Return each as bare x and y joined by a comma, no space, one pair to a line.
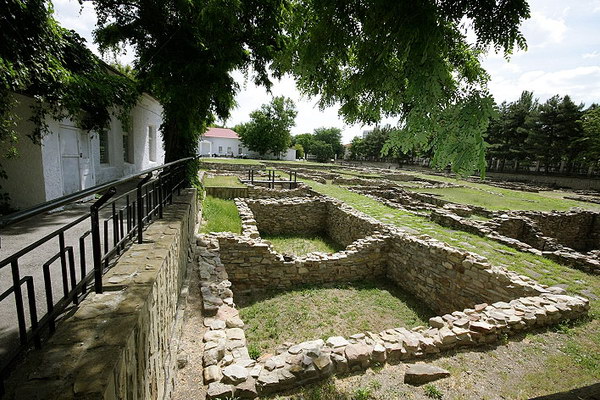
20,235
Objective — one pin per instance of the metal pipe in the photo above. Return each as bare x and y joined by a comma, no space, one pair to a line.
97,256
141,206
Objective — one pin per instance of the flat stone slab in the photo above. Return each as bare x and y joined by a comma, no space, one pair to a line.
417,374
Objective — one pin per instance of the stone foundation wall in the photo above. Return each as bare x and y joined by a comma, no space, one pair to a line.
252,264
118,345
226,192
344,226
449,279
577,230
289,216
309,216
217,166
230,372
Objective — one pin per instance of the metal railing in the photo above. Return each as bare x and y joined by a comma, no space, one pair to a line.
115,222
272,179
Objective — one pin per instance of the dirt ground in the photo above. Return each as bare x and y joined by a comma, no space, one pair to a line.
509,371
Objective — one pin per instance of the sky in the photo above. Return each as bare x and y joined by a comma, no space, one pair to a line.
563,57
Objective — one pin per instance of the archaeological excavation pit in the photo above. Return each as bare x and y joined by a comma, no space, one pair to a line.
475,303
296,315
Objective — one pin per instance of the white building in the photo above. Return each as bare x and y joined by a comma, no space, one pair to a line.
223,142
69,159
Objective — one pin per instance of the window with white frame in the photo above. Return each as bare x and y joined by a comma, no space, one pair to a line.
229,150
220,149
104,148
240,150
152,143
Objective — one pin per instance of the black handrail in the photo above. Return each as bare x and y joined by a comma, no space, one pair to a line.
129,219
70,198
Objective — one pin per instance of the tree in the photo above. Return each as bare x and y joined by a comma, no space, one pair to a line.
299,150
269,127
357,148
407,59
185,53
570,132
375,141
333,136
591,128
510,129
323,151
558,134
305,140
42,60
376,58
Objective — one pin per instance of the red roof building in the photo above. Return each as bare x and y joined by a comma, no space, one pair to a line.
220,133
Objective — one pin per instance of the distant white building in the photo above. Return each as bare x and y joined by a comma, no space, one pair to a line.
223,142
70,159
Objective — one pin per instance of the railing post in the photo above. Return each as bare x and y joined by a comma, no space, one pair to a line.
140,206
95,221
19,301
161,190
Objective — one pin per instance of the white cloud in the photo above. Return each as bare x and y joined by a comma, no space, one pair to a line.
581,83
593,54
545,30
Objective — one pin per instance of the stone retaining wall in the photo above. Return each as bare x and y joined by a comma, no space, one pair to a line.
258,192
450,279
117,345
218,166
308,216
226,192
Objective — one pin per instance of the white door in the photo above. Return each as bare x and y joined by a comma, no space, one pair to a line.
205,148
85,164
75,160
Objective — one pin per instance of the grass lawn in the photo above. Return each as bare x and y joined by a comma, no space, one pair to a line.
303,244
580,344
315,312
220,216
223,181
495,198
230,160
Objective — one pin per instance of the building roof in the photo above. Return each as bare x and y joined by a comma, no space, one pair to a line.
220,133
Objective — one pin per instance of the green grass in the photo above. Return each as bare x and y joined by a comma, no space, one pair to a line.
303,244
223,181
220,216
580,347
316,312
495,198
230,161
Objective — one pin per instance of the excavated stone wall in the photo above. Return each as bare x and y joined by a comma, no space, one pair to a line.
449,279
578,230
229,371
252,264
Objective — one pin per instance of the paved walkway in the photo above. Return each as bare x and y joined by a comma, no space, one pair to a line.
18,236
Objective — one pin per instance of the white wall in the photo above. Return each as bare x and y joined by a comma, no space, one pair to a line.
234,144
25,183
288,155
148,112
36,175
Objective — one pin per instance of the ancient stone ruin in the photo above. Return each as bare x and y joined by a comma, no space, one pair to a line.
477,302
